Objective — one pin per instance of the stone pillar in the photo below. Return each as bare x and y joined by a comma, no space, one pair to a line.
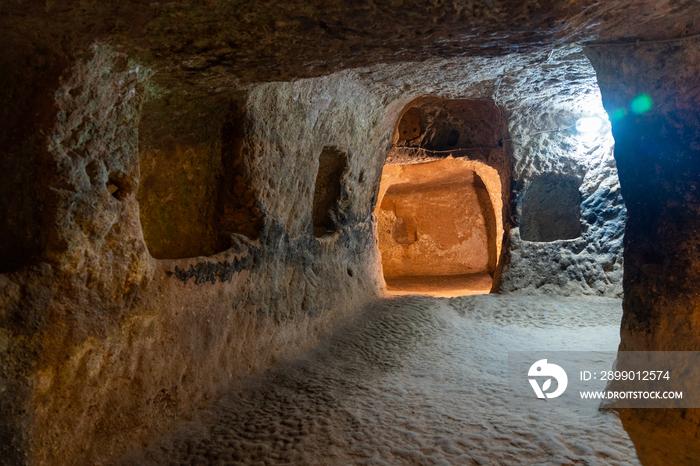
90,261
652,93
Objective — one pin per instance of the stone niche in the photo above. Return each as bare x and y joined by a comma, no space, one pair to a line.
437,227
444,125
194,192
332,164
551,209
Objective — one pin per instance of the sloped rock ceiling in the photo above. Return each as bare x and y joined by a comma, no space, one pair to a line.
224,42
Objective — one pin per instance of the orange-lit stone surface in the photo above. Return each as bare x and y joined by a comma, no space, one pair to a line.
437,219
440,286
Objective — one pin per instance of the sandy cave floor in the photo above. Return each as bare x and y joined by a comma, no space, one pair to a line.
413,380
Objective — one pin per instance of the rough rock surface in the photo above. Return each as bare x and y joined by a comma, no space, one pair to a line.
657,147
99,332
102,345
541,140
100,348
545,142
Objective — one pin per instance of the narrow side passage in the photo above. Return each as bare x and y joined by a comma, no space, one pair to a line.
414,380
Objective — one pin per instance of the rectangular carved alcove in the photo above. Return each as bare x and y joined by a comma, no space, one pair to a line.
195,185
332,164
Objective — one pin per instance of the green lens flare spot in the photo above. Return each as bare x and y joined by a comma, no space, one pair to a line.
641,104
618,114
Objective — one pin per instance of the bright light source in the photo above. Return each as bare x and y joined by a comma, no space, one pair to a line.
589,124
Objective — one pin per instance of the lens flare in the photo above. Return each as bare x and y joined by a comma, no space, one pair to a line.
641,104
618,114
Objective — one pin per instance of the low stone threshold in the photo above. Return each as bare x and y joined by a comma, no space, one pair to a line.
441,286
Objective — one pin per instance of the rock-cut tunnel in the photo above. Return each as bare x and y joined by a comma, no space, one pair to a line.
321,233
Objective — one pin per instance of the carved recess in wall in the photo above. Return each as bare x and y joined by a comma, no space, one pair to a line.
332,165
551,209
440,125
195,188
409,126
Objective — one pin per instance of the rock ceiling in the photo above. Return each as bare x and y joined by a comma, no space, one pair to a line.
217,45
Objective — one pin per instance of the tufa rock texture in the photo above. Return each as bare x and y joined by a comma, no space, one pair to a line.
159,166
96,328
105,345
545,144
652,92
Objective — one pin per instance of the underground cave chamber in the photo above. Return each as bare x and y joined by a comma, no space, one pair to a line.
441,200
160,244
437,228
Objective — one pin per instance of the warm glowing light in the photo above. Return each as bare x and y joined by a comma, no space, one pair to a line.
641,104
589,124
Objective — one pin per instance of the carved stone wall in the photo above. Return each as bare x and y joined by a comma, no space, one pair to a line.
652,92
